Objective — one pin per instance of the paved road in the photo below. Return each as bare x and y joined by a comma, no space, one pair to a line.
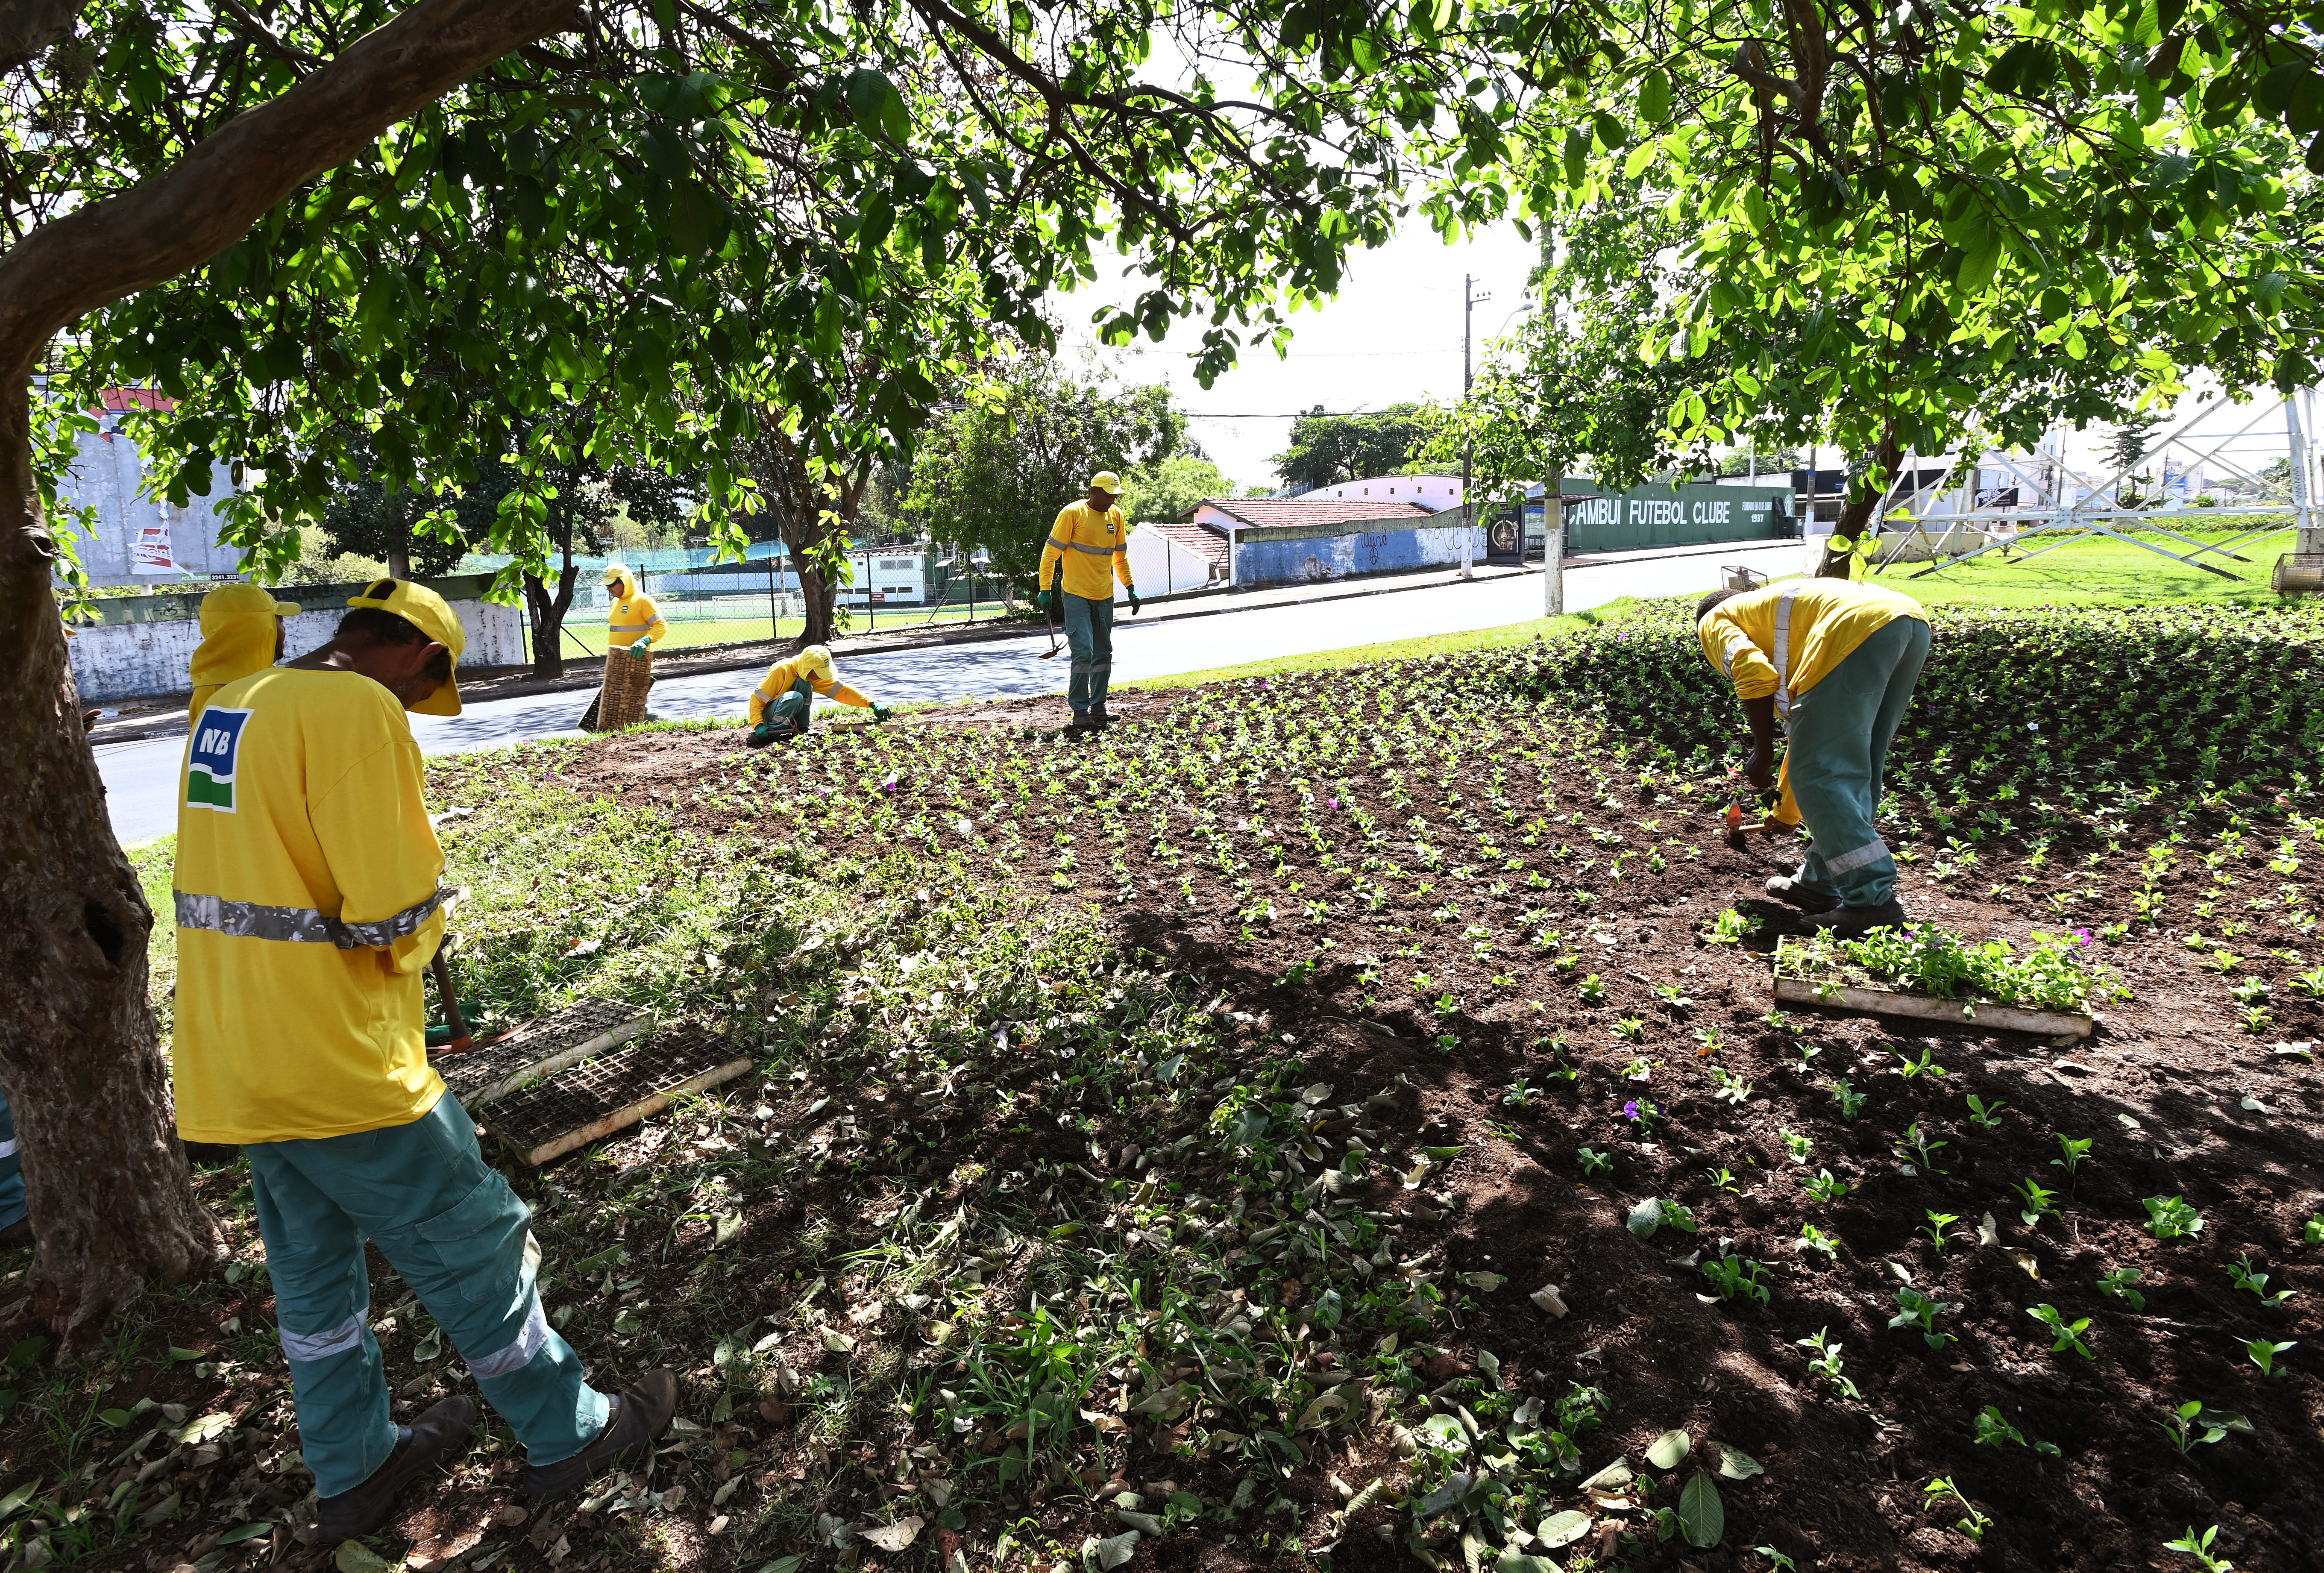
140,778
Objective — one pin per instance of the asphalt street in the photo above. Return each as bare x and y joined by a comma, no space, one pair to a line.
141,777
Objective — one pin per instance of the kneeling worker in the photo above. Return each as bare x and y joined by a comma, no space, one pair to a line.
307,905
1088,548
783,702
1837,661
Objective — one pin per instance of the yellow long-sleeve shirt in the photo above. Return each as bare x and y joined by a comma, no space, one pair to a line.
1785,638
1094,548
307,907
784,675
632,616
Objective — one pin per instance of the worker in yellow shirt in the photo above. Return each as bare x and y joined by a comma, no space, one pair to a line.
784,700
632,621
1837,661
307,905
242,633
1088,548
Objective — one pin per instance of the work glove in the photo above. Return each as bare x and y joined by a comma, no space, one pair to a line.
1045,599
1134,604
638,651
881,712
762,734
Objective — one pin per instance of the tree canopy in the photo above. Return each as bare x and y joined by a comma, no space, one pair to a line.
1326,450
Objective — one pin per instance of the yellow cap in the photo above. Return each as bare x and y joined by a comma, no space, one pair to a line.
429,613
1107,482
815,661
240,600
615,573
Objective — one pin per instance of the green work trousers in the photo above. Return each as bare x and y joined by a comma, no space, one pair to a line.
455,1232
1841,732
11,1169
791,713
1088,630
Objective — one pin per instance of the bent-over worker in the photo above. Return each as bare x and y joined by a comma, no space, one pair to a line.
1088,548
783,702
1836,660
307,905
243,632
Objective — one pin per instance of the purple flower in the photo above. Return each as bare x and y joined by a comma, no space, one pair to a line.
1630,1109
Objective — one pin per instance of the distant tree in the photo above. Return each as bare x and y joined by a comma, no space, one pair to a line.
1174,487
992,474
1326,450
2126,449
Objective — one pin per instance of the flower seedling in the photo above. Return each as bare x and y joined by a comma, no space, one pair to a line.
1678,1216
1592,989
1939,1228
2075,1151
1907,1067
1827,1187
2064,1334
2037,1201
2311,1233
1974,1524
2170,1218
1643,1113
1798,1146
1631,1028
1919,1311
1827,1361
1916,1142
1776,1561
1732,1275
2263,1352
1813,1238
1732,1089
2240,1273
1848,1101
2191,1425
2200,1550
1520,1094
1592,1161
2119,1284
1993,1428
1987,1116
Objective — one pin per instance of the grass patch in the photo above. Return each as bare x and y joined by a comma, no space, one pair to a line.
2095,570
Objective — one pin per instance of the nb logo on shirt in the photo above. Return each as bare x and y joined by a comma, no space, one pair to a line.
209,766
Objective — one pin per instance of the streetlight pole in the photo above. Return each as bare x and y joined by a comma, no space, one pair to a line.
1470,300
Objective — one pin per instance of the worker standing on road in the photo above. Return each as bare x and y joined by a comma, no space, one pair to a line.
307,905
1088,548
243,632
784,701
1837,661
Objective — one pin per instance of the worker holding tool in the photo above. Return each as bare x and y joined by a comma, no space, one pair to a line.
1837,661
784,700
632,621
307,904
243,632
1088,548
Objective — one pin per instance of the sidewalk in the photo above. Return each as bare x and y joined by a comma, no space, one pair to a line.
165,715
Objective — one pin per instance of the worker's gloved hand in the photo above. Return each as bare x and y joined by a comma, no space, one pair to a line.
881,712
1044,601
1758,769
637,651
1134,604
762,734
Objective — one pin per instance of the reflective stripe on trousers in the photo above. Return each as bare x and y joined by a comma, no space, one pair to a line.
253,920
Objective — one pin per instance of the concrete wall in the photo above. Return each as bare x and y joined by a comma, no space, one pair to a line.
1162,566
145,647
1310,554
107,473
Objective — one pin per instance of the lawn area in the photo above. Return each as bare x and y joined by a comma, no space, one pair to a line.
2094,570
1339,1119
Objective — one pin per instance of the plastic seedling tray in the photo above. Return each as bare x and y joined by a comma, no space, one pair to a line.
575,1107
1929,1007
539,1048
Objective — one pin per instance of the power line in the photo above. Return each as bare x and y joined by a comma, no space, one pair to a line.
1293,415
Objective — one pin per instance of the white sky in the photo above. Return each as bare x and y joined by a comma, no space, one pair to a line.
1392,336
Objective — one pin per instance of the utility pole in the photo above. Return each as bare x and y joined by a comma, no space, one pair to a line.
1470,300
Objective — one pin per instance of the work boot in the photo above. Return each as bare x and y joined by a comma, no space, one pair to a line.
1790,888
438,1436
1099,719
637,1420
1080,724
1853,923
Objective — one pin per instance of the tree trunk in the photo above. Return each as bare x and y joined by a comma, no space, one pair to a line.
1856,514
105,1180
548,618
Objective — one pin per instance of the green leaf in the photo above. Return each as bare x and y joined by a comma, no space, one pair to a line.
249,1531
1669,1450
14,1501
1702,1516
355,1557
1563,1529
1644,1219
2303,111
1654,95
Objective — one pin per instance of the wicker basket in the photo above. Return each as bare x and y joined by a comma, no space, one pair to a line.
2300,574
623,700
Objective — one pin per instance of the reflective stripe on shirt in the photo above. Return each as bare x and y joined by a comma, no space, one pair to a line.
1783,652
1077,546
252,920
628,627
